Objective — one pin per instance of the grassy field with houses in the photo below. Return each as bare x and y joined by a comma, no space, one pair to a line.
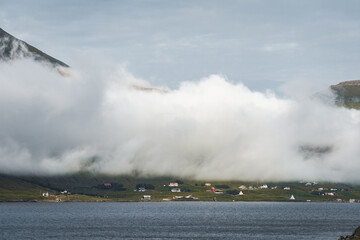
92,187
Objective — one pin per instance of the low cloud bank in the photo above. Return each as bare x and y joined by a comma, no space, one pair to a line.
105,120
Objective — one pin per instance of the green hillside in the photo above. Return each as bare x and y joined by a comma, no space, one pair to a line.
94,187
347,94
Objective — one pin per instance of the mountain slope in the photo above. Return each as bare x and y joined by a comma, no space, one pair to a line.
347,94
12,48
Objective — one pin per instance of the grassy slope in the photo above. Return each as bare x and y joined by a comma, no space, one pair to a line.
15,189
82,187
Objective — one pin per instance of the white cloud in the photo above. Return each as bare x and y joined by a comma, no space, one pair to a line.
280,47
96,120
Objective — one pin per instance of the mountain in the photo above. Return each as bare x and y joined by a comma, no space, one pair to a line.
347,94
12,48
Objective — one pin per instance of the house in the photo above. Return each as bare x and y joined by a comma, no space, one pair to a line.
146,197
242,187
273,187
286,188
263,186
191,197
173,184
330,193
108,185
166,199
176,190
292,197
45,194
320,188
142,189
207,184
241,193
218,191
178,197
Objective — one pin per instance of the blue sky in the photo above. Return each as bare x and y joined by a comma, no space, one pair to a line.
263,44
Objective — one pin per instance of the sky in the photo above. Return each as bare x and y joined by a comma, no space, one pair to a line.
263,44
196,89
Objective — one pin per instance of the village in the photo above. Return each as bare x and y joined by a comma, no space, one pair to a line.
207,191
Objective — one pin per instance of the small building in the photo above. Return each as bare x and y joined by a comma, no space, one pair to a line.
142,189
286,188
207,184
218,191
242,187
241,193
178,197
273,187
147,197
264,186
173,184
108,185
330,193
176,190
292,197
191,197
45,194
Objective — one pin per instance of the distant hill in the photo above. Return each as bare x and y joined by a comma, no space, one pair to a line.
86,186
12,48
348,94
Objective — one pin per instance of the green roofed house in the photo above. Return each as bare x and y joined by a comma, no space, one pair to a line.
176,190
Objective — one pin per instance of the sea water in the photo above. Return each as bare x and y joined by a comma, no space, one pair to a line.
178,220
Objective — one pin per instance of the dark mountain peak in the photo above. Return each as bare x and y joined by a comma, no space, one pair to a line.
12,48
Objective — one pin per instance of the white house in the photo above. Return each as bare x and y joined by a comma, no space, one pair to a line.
263,186
207,184
241,193
176,190
286,188
173,184
147,197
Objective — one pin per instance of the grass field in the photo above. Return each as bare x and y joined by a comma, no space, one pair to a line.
90,187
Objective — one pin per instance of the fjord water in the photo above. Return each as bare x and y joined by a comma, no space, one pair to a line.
178,220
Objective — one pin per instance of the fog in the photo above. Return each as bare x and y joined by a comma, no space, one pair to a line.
101,118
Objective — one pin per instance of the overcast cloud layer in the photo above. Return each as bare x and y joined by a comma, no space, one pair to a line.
105,120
